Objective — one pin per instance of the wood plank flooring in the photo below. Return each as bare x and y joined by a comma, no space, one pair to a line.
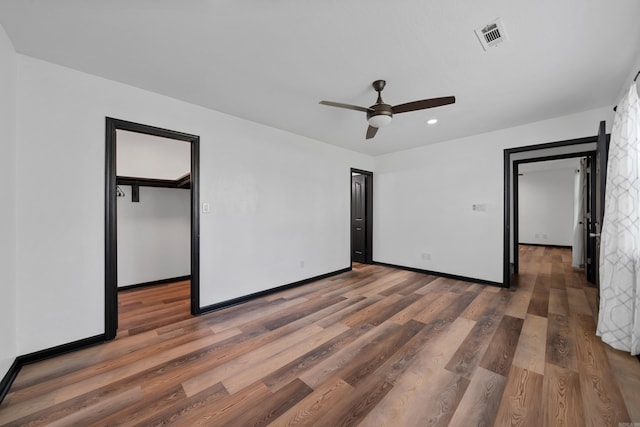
372,347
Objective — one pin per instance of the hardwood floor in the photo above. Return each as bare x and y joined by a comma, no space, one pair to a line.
145,309
372,347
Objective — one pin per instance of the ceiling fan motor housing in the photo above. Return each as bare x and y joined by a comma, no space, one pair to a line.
379,114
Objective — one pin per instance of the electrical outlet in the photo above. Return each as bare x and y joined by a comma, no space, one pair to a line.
426,256
301,264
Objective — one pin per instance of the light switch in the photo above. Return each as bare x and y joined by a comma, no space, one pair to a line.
206,208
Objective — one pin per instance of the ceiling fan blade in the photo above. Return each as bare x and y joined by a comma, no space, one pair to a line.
347,106
423,104
371,132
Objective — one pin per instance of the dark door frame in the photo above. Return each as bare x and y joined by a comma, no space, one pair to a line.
368,214
510,170
111,249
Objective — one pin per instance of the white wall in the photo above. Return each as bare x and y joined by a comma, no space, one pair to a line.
545,208
154,235
423,197
277,199
8,205
148,156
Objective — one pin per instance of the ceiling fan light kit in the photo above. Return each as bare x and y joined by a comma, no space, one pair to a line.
381,114
379,119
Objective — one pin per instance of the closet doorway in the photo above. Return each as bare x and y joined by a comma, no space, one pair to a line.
152,191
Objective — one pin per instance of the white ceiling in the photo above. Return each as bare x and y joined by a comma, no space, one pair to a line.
272,61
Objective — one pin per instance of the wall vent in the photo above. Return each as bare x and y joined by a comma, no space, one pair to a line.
492,34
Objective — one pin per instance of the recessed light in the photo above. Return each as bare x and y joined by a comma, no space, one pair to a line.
432,121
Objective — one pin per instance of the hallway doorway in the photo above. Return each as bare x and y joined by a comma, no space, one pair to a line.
594,146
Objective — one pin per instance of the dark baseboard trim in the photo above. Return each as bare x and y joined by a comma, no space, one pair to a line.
155,283
439,274
8,379
38,356
245,298
59,349
549,246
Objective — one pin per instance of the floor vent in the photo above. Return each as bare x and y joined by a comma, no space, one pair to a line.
492,34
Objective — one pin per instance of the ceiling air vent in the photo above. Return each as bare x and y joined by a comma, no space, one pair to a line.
492,34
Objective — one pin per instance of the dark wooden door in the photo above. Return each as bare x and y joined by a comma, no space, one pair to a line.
602,155
359,218
596,179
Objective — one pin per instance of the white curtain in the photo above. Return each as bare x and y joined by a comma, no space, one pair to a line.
577,245
619,316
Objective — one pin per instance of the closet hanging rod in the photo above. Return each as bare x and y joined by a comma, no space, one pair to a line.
634,79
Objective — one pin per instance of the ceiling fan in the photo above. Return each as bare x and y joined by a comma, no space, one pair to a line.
380,114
